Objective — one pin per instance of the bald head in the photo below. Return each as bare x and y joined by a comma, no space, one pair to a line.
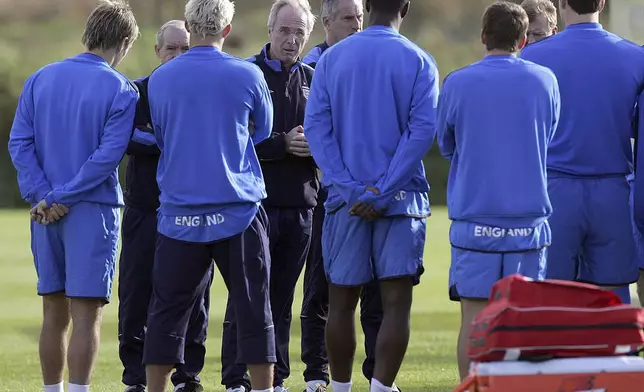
172,40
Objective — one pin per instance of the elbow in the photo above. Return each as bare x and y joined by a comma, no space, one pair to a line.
447,153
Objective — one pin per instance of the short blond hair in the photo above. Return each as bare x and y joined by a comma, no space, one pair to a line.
301,5
209,17
109,24
534,8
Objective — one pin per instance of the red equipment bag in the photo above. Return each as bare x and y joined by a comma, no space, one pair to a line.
525,292
527,320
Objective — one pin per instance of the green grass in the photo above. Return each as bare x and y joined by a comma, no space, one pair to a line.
429,366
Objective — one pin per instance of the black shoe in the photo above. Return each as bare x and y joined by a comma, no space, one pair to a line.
190,387
135,388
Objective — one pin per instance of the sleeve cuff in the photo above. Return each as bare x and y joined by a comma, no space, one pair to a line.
49,199
40,194
379,202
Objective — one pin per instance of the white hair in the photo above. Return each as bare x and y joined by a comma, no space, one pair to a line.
179,24
329,8
209,17
302,5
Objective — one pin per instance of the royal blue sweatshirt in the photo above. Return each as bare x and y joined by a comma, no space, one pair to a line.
637,179
209,175
311,59
600,76
71,129
496,120
371,118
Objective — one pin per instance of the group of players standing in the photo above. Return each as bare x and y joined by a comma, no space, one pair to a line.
543,141
540,156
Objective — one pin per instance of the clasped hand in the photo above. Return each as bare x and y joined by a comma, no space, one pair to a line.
366,211
44,214
296,143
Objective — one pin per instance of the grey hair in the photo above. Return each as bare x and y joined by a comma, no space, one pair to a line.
302,5
329,8
179,24
209,17
111,22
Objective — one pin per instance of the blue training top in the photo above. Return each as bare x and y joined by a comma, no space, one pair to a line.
496,120
71,129
600,76
209,176
371,118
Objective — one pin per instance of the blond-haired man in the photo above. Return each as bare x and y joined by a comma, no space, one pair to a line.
73,187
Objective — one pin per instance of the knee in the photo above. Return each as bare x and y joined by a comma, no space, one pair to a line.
87,314
469,310
397,294
343,300
56,313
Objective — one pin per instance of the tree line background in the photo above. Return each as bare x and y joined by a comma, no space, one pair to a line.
36,32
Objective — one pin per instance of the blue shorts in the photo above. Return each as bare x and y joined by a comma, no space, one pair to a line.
472,274
77,255
356,251
592,231
637,236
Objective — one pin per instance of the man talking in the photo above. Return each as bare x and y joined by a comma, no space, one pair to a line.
290,177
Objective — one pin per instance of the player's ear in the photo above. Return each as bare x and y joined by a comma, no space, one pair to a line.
405,9
226,31
602,4
483,40
523,42
187,26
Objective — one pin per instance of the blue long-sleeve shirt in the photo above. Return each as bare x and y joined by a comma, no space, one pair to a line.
209,175
371,118
637,180
71,129
311,59
496,119
600,76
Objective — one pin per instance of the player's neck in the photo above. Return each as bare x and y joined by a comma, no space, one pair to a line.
573,18
108,55
385,20
215,42
498,52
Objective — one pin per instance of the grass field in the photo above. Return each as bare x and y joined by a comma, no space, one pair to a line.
429,366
